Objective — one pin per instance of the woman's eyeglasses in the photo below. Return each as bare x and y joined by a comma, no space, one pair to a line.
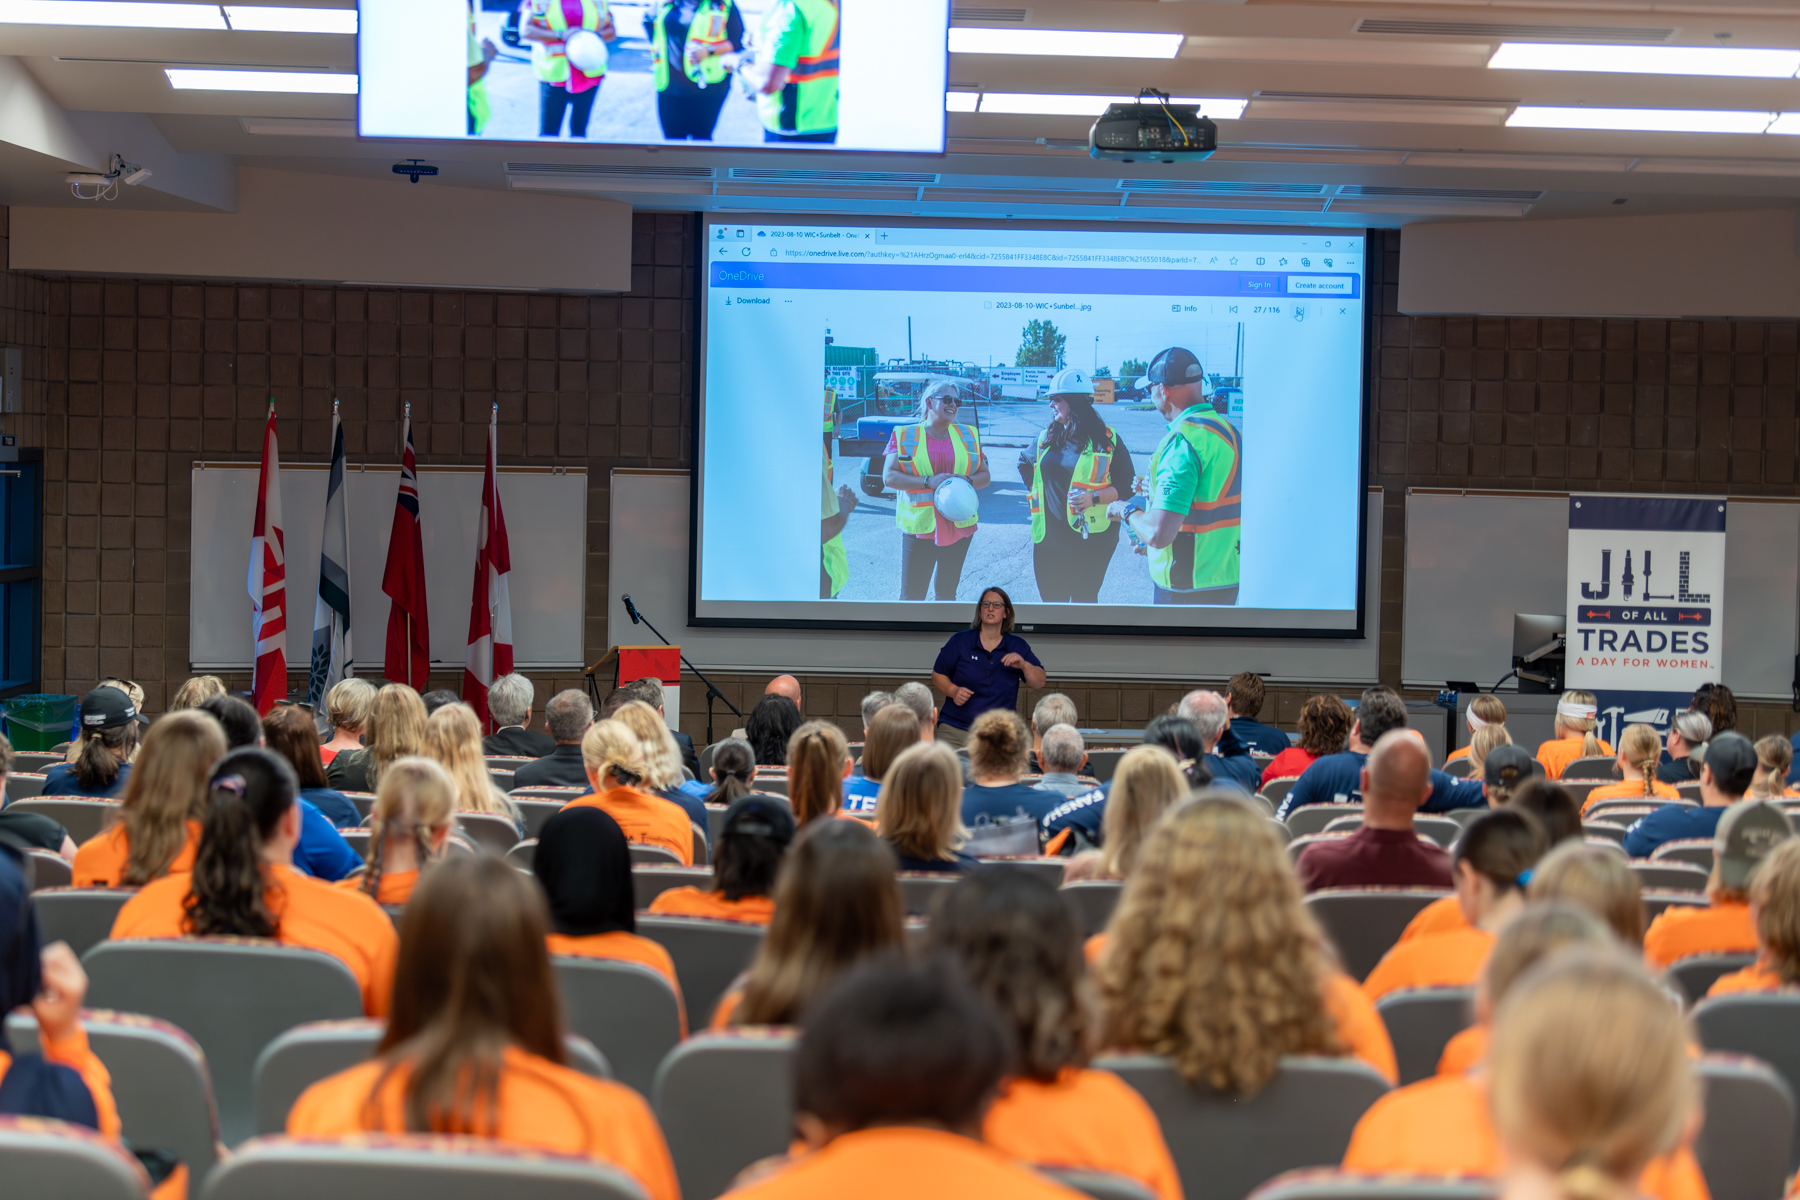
993,604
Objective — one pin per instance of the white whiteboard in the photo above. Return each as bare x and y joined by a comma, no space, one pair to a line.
546,524
1473,559
648,561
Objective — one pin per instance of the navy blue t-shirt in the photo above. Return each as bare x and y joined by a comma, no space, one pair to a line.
60,781
1670,823
1337,779
966,663
1006,801
1265,739
338,808
1083,812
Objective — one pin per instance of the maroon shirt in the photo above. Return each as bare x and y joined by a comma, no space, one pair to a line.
1374,858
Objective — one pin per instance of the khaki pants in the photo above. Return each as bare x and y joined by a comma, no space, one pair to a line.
951,736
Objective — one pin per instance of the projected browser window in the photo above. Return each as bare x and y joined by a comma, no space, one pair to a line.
1126,430
788,74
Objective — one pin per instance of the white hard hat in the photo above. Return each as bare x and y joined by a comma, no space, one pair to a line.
1071,381
586,52
955,498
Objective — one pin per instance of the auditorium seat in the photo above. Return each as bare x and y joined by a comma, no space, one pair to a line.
488,831
918,890
507,762
84,819
562,794
413,1167
774,785
1698,972
1742,1147
35,762
1225,1144
1094,900
1420,1022
231,997
44,869
1603,768
650,880
1656,902
1624,811
46,1158
1609,845
364,801
1609,830
1282,831
708,956
534,813
1698,851
1276,790
1669,876
626,1009
521,855
358,840
1102,763
1461,768
318,1050
1466,816
82,917
705,758
1579,788
1689,791
1298,846
1315,817
1262,805
503,779
1051,869
22,785
725,1101
1364,923
159,1081
1764,1026
1345,1185
642,853
702,854
1099,1185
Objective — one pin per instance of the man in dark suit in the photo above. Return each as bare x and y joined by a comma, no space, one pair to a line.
650,691
567,716
509,700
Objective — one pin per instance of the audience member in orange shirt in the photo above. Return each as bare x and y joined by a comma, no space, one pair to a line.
837,903
756,834
475,1042
1596,879
157,830
1485,711
1747,832
1215,893
1640,749
243,886
415,810
1775,909
1495,851
1020,945
1576,717
614,758
896,1067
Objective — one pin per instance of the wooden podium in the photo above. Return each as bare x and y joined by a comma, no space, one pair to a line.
627,664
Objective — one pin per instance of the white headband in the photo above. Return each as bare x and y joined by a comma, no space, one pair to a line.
1581,712
1475,722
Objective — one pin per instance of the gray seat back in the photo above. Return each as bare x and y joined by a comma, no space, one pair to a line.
726,1100
1420,1023
1441,830
1698,972
412,1168
231,996
502,777
308,1053
67,1162
1276,790
1337,1185
1655,903
708,956
626,1009
35,761
82,917
1668,876
650,880
1459,767
1742,1147
702,851
523,854
919,891
535,813
159,1082
1364,923
44,869
1698,851
1225,1144
84,819
1099,1185
1601,767
641,853
489,832
1051,869
1763,1026
1315,817
1094,900
1102,763
21,785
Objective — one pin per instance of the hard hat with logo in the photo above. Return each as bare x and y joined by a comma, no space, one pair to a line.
586,52
1071,381
956,499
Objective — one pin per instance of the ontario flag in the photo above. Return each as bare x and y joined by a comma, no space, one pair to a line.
490,606
268,580
408,657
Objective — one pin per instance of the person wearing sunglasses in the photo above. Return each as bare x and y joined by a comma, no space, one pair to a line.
920,458
980,668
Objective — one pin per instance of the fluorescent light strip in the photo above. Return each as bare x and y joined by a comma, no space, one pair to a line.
1648,120
961,101
258,19
1032,104
113,13
1648,60
1072,43
262,81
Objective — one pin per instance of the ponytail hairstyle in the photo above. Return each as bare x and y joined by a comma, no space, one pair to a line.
166,790
414,803
662,757
252,789
608,746
1181,737
733,765
816,756
1774,755
1482,743
1641,746
395,728
1590,745
103,752
1589,1071
1502,846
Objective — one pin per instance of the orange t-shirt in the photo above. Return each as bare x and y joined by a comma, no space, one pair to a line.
903,1162
1459,752
1440,1126
624,947
308,912
100,862
1443,915
1451,959
395,887
726,1009
646,819
540,1105
1464,1052
1557,755
692,902
1753,978
1630,789
1085,1120
1683,930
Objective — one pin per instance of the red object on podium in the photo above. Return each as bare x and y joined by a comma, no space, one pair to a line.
661,663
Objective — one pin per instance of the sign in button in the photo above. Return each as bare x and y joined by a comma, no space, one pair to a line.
1320,285
1259,285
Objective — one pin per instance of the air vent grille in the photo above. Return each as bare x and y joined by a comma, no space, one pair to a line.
1220,187
1468,195
608,171
1007,16
1511,31
834,178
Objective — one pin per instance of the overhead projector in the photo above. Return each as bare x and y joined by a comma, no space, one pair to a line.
1154,130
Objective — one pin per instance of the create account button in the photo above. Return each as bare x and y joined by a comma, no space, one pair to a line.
1319,285
1262,285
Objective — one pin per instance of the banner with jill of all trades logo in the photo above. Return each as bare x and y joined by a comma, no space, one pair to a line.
1646,604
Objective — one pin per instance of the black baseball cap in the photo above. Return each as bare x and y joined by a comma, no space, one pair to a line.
1174,367
760,816
1732,760
108,708
1506,765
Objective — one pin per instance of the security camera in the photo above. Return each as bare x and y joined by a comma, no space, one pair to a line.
138,175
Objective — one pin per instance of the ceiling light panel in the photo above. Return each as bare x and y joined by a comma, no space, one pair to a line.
963,102
259,19
1649,120
1648,60
1034,104
1073,43
129,14
262,81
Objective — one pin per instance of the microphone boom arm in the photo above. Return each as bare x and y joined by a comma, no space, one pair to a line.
712,691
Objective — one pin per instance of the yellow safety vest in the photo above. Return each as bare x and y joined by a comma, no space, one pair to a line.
480,110
1093,471
553,65
832,555
707,29
914,511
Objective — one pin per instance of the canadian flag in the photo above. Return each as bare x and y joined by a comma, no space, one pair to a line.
268,580
490,605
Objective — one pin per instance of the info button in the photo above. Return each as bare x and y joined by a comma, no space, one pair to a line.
1319,285
1259,285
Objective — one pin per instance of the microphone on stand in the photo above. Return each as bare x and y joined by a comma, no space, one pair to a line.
631,610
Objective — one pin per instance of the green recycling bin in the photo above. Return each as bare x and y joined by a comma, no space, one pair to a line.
39,722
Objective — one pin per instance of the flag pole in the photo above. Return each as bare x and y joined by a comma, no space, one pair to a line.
405,424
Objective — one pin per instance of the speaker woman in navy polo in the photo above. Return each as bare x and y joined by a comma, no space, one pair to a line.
982,667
